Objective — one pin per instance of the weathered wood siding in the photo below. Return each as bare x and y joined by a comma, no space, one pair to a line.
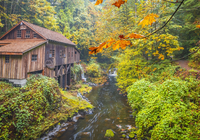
71,54
13,34
60,60
48,72
76,56
31,66
57,59
11,70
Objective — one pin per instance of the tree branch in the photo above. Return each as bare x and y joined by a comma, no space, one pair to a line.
171,1
165,23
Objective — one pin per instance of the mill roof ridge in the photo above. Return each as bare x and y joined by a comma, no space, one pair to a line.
49,34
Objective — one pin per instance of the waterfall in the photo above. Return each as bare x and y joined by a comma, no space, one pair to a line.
113,73
82,73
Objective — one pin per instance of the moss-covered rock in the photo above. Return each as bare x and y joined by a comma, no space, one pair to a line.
123,135
109,133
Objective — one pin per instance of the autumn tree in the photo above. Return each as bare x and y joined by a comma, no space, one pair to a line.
39,12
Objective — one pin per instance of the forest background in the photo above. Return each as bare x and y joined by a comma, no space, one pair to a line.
88,25
115,26
136,38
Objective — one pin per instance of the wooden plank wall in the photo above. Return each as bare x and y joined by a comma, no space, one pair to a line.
13,34
77,56
48,72
57,59
11,70
69,58
70,54
31,66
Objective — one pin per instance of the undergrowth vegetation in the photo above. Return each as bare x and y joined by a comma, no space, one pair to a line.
95,73
166,104
27,112
195,58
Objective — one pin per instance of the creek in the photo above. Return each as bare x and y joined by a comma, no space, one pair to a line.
111,112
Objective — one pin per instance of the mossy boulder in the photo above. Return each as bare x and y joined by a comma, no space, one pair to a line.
123,135
109,133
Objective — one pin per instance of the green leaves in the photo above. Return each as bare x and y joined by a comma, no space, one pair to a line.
165,111
29,111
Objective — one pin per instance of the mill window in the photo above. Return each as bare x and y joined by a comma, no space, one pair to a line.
34,35
34,57
68,54
72,54
52,53
7,59
19,33
27,34
62,53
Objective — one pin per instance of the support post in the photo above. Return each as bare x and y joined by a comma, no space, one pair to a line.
65,76
61,77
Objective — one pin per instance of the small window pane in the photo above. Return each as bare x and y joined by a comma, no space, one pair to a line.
27,34
60,53
72,54
7,59
35,35
34,57
63,53
18,33
52,53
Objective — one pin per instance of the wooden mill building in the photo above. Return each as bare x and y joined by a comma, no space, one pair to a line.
30,49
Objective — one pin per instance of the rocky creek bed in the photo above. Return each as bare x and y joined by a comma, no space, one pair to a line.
111,112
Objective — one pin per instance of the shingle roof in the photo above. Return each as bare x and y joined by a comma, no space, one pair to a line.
19,46
48,34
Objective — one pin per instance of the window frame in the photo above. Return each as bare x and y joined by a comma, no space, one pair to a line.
62,52
28,35
7,58
34,35
52,52
34,57
19,33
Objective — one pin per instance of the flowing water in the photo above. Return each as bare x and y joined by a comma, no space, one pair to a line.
112,111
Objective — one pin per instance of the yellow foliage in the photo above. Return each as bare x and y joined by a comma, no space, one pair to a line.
148,20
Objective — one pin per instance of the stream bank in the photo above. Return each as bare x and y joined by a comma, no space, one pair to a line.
111,112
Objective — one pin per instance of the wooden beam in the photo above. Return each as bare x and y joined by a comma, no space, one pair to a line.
61,77
56,71
65,76
69,74
10,53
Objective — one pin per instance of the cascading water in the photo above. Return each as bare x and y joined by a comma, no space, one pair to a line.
82,73
113,72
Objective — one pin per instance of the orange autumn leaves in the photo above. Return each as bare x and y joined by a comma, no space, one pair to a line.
116,44
123,41
118,3
148,20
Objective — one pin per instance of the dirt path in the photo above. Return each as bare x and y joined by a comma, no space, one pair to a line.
184,64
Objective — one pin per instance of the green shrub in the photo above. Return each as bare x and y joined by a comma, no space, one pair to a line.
195,58
166,111
93,69
28,111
